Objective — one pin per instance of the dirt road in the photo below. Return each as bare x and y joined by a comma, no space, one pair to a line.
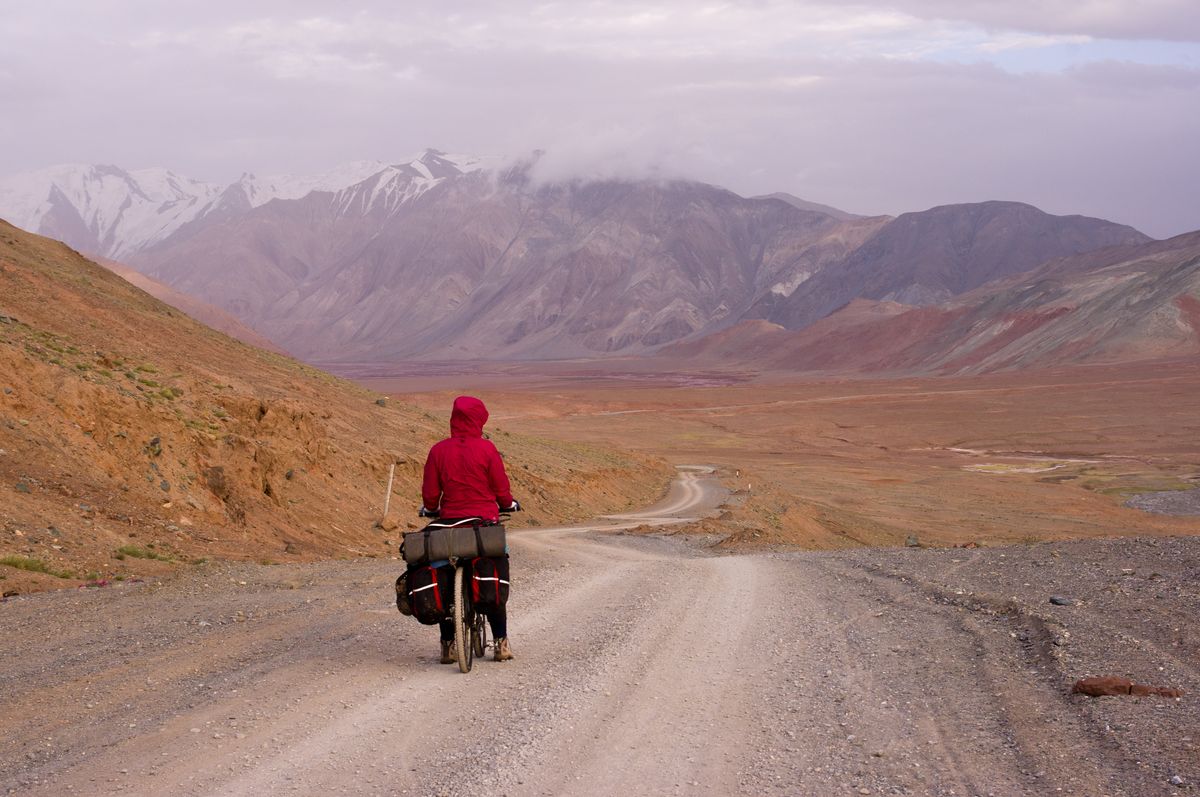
644,665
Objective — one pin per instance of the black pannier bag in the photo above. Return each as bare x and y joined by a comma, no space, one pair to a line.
430,593
489,580
463,541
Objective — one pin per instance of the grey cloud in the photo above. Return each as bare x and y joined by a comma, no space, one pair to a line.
1171,20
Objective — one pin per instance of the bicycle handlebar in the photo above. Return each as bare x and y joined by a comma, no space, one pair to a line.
436,513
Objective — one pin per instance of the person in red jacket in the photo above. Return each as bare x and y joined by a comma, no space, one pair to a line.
465,478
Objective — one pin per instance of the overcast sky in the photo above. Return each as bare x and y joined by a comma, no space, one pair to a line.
1077,106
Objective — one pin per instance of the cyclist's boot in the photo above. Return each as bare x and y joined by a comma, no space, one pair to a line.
502,651
448,656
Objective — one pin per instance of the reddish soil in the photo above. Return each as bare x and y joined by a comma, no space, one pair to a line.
1190,306
1017,327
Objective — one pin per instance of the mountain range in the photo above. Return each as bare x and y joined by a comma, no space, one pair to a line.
454,257
1120,304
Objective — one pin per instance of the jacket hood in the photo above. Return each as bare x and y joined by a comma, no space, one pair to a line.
468,417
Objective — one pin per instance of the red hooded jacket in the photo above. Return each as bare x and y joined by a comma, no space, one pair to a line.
464,475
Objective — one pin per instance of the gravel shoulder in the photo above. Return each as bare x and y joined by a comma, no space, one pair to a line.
1180,503
643,664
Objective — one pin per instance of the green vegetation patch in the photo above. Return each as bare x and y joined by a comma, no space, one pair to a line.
34,566
137,552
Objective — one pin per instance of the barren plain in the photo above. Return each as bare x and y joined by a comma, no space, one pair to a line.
843,463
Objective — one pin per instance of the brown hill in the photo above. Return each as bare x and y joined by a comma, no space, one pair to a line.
134,439
203,312
932,256
1119,305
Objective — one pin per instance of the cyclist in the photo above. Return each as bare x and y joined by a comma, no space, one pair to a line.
465,478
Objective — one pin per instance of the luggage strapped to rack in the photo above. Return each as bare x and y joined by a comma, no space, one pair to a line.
465,538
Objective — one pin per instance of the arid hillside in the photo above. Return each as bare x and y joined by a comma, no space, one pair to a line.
1121,304
134,440
937,254
205,313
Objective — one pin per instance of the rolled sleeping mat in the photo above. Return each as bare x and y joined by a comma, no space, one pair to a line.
434,543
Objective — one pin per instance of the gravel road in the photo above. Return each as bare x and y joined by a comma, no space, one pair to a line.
645,664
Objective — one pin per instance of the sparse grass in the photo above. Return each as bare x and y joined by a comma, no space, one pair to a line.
146,369
137,552
1126,485
34,566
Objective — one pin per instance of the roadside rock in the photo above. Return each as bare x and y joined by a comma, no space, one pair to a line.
1112,686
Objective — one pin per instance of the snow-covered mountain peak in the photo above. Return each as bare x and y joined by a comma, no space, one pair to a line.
261,190
114,212
402,182
103,208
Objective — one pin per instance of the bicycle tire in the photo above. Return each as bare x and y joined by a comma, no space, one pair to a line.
463,648
478,633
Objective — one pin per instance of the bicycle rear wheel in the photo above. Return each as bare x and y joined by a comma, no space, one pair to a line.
478,633
463,648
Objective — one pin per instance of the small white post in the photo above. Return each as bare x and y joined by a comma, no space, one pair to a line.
387,499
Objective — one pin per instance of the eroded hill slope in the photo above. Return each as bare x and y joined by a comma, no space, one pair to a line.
134,439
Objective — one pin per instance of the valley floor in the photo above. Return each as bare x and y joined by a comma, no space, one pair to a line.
645,664
837,463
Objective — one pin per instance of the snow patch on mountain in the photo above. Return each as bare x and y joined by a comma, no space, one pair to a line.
117,210
789,286
260,191
109,211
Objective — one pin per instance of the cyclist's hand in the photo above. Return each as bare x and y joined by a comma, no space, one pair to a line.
429,513
513,507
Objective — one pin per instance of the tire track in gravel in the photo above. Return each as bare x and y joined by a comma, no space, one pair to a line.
643,666
319,694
